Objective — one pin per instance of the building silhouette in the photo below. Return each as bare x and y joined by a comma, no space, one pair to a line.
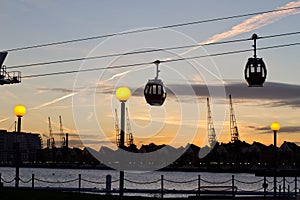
29,144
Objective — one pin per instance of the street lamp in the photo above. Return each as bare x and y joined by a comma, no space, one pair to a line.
123,94
275,126
19,111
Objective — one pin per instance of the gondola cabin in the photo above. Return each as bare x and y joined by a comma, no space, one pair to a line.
155,93
255,72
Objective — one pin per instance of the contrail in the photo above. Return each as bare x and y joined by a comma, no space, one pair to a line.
251,24
124,73
3,120
117,75
54,101
256,22
59,99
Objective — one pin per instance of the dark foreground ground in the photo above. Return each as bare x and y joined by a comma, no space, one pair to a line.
10,194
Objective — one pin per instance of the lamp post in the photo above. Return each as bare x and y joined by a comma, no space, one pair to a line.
19,111
123,94
275,126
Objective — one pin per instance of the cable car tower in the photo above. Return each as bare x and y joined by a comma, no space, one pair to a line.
210,127
154,91
129,132
233,125
255,71
8,77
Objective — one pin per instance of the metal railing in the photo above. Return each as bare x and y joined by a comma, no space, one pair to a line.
232,187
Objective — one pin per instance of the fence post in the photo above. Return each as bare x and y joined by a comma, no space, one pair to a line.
265,186
108,184
296,186
162,186
199,184
121,183
32,181
232,186
279,191
283,185
79,182
1,184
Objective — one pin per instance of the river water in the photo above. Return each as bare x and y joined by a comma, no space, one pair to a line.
93,178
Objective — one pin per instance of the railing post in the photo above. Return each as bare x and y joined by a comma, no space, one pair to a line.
265,186
279,191
296,186
79,182
232,181
283,185
162,186
32,181
288,191
199,185
121,184
1,184
108,184
17,160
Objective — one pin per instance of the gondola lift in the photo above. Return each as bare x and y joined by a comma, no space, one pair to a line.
255,71
154,92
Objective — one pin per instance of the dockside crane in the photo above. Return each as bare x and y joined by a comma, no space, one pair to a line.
233,124
61,133
129,132
117,128
50,140
210,127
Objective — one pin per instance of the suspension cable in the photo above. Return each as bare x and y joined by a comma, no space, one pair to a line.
162,61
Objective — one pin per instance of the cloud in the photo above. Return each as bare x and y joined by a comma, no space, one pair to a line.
267,130
292,102
297,143
271,90
277,94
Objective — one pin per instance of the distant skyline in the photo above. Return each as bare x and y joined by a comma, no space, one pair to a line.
86,100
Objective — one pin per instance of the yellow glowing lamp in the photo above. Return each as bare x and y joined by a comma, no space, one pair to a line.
275,126
123,93
20,110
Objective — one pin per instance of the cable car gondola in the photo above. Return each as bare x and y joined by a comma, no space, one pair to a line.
154,92
255,71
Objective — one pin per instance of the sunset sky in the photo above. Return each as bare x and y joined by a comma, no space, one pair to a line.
86,100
